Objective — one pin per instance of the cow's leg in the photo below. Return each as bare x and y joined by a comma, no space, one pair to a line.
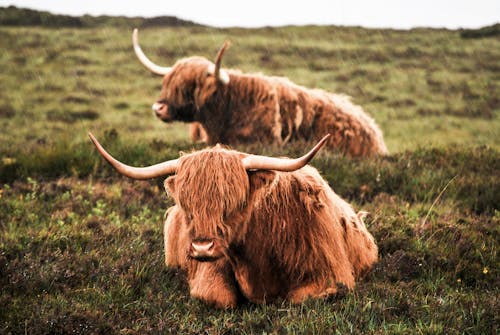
256,287
176,238
213,282
311,290
197,133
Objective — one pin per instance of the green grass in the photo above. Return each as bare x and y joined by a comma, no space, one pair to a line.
81,247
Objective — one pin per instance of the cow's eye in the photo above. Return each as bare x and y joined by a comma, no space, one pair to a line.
219,232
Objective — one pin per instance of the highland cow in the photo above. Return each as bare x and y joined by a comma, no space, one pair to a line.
256,228
234,107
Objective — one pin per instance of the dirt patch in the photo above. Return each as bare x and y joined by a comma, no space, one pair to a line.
7,111
76,99
74,322
400,266
71,117
121,105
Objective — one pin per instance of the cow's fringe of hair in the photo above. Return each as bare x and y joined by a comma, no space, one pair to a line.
205,172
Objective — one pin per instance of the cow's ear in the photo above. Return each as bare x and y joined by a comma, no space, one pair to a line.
260,179
169,185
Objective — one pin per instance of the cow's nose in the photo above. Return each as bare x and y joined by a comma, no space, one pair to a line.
202,249
157,107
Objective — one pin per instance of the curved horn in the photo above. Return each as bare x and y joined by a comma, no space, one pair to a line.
254,162
153,171
222,75
156,69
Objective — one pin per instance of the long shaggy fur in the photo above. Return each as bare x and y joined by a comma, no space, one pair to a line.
284,234
258,108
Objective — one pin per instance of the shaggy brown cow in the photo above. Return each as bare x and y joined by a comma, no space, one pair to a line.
258,228
234,107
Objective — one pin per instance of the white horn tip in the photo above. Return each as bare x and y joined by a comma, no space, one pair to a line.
224,77
323,140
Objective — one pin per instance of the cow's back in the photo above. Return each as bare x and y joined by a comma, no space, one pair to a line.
295,235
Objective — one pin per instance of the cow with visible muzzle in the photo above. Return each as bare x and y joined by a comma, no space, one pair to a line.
257,228
232,107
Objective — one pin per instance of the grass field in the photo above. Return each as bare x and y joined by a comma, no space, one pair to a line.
81,247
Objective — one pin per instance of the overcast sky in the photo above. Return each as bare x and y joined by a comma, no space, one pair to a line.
255,13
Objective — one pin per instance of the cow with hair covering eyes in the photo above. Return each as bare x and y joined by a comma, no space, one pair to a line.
230,107
257,228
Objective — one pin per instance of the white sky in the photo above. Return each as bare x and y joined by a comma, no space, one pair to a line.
256,13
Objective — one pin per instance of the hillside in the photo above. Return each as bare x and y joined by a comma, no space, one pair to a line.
14,16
